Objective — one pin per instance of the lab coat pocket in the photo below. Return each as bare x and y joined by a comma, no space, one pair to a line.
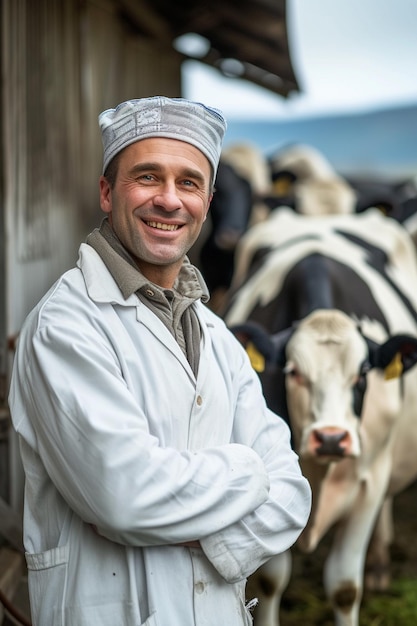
47,575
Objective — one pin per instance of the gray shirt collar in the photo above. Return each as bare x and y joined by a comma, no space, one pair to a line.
128,277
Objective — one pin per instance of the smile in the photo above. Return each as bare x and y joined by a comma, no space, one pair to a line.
161,226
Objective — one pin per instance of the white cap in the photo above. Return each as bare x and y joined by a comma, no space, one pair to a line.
158,116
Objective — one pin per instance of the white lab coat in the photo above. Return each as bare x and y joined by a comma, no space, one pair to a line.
127,454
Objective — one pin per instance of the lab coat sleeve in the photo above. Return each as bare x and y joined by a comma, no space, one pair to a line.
95,445
238,550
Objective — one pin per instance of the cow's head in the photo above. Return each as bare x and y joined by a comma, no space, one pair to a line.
333,376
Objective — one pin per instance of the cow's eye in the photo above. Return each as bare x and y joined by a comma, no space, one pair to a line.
291,371
360,383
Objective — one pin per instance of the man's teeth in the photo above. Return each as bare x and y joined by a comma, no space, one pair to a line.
163,226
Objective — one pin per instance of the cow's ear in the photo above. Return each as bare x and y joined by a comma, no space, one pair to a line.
262,348
257,343
280,341
396,356
283,182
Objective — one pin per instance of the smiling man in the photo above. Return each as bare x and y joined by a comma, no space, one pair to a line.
158,203
157,480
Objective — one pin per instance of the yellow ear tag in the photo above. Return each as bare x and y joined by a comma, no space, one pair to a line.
282,185
395,368
255,357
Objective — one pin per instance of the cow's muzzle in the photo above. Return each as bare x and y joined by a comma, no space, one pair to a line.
334,443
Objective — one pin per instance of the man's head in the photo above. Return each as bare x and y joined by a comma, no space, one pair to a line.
158,116
160,159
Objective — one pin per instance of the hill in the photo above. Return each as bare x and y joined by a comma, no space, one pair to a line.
381,142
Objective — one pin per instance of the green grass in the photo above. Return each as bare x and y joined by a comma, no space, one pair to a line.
304,606
398,607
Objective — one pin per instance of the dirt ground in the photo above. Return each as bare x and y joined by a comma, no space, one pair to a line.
306,583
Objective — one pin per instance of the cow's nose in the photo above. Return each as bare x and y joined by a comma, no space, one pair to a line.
330,442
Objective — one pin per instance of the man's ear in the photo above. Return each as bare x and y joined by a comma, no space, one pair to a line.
105,195
208,206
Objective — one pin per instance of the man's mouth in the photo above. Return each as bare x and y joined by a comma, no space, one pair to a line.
161,226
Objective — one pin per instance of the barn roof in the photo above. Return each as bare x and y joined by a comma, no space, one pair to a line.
245,38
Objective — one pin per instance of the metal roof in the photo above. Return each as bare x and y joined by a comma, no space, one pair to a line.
245,38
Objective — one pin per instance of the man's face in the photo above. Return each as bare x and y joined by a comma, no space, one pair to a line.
158,203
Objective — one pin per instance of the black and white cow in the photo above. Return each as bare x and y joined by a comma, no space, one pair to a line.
327,309
396,198
242,181
229,217
304,179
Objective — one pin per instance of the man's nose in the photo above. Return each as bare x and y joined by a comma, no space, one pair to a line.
167,198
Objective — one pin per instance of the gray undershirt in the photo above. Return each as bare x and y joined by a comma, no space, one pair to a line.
172,306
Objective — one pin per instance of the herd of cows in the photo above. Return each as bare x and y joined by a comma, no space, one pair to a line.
318,276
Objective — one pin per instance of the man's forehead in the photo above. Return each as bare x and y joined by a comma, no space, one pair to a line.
160,152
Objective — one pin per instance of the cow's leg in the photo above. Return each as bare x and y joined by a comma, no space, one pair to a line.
267,584
344,567
377,567
342,581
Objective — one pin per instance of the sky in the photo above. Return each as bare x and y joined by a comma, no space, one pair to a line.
348,56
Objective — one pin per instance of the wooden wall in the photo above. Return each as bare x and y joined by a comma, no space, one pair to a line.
63,61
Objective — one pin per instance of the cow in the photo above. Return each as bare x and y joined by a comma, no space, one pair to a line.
327,309
396,198
242,180
303,179
229,218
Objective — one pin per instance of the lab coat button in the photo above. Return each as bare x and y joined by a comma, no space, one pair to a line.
199,400
199,587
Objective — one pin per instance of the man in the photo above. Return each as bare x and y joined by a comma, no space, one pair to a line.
156,478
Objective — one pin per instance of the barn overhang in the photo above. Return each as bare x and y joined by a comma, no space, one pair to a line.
246,39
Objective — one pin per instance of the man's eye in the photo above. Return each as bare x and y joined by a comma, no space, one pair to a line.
146,177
